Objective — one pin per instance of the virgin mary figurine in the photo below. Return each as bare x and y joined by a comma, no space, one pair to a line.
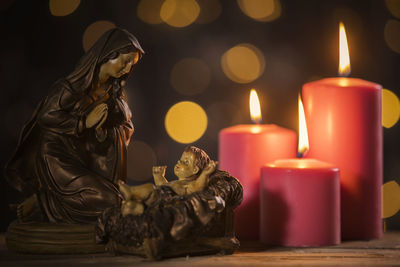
72,153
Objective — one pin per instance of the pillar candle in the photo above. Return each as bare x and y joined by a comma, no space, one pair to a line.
344,127
243,149
300,203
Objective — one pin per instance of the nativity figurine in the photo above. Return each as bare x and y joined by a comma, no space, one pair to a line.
193,170
191,215
72,152
70,168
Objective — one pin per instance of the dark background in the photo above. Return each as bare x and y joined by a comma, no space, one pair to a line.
37,48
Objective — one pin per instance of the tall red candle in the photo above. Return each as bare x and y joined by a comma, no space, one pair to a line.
345,129
344,118
243,149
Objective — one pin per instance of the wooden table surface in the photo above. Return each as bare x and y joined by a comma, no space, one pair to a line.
381,252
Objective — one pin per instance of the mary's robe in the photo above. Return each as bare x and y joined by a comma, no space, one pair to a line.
73,171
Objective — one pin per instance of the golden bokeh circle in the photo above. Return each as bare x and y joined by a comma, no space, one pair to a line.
390,108
94,31
190,76
392,35
391,199
179,13
141,159
261,10
149,11
186,122
394,7
61,8
243,63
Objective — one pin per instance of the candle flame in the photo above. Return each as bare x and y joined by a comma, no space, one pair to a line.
255,109
303,135
344,56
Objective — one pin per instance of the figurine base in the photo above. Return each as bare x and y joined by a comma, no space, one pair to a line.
198,246
48,238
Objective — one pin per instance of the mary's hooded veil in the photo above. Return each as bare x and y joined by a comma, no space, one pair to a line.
111,41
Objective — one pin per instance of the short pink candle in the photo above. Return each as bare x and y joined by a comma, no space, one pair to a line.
243,149
300,203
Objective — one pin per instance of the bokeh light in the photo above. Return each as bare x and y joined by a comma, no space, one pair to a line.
186,122
394,7
209,11
392,35
190,76
391,199
179,13
61,8
141,159
149,11
243,63
390,108
261,10
94,31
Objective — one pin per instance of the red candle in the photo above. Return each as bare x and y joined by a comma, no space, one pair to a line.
243,149
300,203
300,200
345,129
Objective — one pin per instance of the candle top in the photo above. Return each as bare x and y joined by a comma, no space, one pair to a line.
345,82
254,129
300,164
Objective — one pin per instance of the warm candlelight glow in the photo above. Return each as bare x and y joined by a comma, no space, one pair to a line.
255,110
303,135
344,56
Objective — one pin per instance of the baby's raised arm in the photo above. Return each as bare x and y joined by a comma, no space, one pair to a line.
159,175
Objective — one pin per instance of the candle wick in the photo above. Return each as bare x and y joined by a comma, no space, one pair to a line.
257,122
301,155
344,73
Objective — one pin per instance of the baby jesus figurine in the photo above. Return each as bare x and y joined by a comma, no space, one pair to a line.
193,170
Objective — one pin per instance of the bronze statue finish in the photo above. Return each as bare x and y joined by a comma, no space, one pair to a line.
70,167
72,152
176,218
193,170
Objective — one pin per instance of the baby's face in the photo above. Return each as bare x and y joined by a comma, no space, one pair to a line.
185,167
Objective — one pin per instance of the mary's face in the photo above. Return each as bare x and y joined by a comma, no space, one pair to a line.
120,65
